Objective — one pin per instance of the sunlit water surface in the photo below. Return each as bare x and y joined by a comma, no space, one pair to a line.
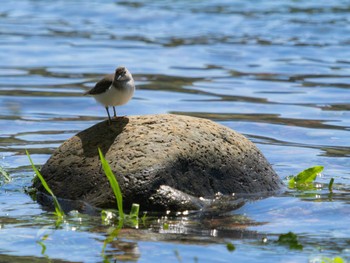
276,71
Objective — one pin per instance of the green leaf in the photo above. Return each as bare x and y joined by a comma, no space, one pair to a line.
113,182
333,260
338,260
58,210
308,175
305,177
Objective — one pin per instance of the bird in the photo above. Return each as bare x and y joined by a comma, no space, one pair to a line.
114,90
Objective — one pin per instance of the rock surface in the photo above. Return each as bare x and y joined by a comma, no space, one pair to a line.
160,161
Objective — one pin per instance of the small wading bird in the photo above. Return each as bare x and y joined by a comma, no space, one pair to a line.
114,90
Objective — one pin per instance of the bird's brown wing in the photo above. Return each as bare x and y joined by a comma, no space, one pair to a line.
101,86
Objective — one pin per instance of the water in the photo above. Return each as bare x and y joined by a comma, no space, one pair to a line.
276,71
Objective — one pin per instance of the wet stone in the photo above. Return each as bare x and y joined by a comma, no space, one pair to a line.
160,161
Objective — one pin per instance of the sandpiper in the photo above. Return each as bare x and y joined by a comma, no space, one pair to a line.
114,90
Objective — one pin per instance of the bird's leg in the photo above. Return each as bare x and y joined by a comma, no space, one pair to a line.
115,113
109,117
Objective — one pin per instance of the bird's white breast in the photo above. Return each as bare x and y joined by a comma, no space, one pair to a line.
116,97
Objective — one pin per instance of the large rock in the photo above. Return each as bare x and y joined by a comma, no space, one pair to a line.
160,161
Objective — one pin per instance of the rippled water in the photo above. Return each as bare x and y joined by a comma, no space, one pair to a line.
276,71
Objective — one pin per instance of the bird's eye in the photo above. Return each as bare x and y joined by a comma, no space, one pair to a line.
124,72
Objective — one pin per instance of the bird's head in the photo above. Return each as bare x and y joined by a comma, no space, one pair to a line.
122,74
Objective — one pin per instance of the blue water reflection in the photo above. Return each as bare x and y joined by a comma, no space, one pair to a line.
276,71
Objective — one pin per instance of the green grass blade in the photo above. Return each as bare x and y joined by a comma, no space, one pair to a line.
133,217
134,213
113,182
59,212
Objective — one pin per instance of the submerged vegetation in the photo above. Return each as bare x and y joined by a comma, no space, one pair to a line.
291,240
305,180
230,247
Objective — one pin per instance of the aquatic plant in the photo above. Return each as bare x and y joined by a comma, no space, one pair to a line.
58,210
113,182
304,179
134,212
133,216
143,218
333,260
108,215
291,240
43,246
6,176
230,247
330,185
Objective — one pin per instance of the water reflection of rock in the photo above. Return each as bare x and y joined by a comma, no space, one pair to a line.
194,228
